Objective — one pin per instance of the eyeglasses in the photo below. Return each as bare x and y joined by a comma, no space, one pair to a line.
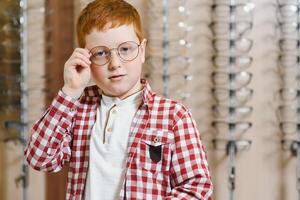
287,12
241,62
237,145
289,44
239,112
291,145
239,128
290,28
289,127
242,45
235,80
224,29
242,11
289,60
288,112
239,97
127,51
177,62
289,94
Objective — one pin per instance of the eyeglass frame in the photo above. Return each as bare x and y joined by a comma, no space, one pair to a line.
116,48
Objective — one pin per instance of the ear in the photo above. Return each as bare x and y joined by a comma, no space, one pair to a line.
143,49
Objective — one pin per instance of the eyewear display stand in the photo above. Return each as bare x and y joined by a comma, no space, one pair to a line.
20,126
289,46
165,44
237,80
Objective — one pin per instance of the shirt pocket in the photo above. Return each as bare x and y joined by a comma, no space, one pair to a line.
155,151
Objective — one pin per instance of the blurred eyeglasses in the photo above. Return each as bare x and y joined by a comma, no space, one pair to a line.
239,112
242,45
291,145
221,28
289,44
177,12
290,28
127,51
175,81
238,128
241,62
236,1
239,97
241,11
288,12
176,47
289,94
235,80
237,145
288,112
281,2
289,60
289,127
175,62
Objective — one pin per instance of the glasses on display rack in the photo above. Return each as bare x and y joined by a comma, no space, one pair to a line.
176,81
239,127
287,12
241,45
288,61
289,127
176,62
239,112
289,94
241,11
176,34
235,80
127,51
288,112
225,29
289,29
177,13
289,44
239,97
237,145
291,145
241,62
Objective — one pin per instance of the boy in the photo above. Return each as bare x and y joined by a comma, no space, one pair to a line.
121,140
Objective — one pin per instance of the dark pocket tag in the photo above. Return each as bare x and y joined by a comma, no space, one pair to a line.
155,153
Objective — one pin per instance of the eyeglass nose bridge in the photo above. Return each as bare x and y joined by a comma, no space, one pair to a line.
116,49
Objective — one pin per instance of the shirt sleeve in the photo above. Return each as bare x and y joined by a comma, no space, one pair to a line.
49,146
190,178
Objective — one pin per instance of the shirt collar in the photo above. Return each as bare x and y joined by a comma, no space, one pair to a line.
147,93
131,100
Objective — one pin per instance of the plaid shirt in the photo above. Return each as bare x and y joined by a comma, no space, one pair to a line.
165,159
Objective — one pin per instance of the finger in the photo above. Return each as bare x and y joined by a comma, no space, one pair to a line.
77,61
82,51
82,57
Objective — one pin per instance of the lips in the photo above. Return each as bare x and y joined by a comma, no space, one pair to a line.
118,76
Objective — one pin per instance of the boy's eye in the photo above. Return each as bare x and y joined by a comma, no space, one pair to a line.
101,53
125,49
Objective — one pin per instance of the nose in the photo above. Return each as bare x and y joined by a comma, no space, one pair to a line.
115,61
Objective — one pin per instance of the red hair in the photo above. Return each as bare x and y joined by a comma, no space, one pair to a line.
99,13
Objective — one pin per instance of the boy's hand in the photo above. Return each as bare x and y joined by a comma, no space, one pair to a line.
77,73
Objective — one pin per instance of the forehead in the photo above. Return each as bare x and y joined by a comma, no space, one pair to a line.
111,37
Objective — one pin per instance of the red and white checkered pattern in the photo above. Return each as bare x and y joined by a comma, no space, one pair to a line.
62,136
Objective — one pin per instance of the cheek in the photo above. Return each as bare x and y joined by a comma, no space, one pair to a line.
97,73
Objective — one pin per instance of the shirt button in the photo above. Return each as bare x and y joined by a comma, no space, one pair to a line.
114,111
72,109
156,140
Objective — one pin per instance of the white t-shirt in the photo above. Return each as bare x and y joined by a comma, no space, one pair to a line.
108,147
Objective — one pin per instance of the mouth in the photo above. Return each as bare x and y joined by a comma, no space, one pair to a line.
116,77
